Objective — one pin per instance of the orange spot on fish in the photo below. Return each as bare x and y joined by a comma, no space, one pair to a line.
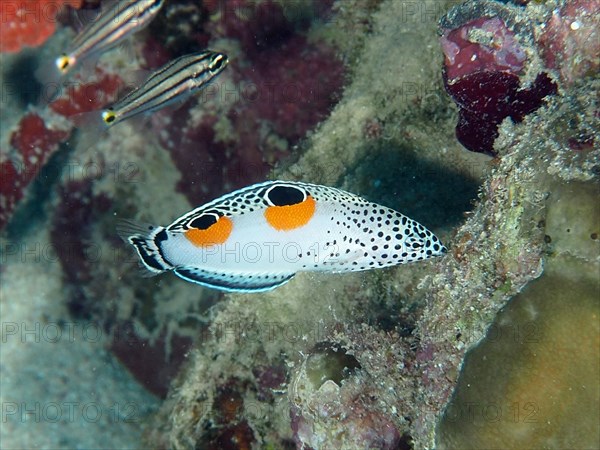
288,217
217,233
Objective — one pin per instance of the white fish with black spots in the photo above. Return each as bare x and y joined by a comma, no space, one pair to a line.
257,238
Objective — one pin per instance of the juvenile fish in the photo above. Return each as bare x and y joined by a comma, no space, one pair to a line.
257,238
171,83
112,26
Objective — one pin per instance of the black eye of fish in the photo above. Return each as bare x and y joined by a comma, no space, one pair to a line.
285,195
204,222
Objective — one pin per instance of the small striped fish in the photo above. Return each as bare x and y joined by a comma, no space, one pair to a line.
112,26
172,83
257,238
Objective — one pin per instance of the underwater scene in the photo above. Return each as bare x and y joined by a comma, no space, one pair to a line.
300,224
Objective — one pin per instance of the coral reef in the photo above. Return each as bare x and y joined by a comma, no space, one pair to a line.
499,63
329,380
399,376
40,133
536,372
213,143
29,23
348,94
529,188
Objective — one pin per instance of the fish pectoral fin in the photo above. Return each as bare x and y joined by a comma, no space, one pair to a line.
233,282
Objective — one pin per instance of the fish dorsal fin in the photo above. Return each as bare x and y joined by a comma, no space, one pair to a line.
233,282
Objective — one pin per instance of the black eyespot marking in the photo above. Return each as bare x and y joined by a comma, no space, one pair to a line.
204,221
283,195
162,236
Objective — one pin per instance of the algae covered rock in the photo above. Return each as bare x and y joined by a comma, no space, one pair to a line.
533,382
332,404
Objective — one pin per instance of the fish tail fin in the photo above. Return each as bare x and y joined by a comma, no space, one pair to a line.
51,82
90,128
143,237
